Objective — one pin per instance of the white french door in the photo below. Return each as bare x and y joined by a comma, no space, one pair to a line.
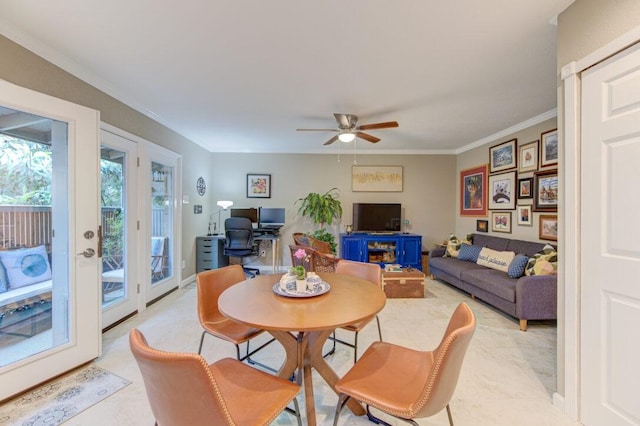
53,255
119,209
610,241
160,177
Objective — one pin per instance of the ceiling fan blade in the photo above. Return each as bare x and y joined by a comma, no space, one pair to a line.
316,130
367,137
332,140
346,121
385,125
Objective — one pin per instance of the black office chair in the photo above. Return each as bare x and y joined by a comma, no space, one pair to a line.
239,241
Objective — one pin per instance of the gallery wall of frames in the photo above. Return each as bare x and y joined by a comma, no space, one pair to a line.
513,188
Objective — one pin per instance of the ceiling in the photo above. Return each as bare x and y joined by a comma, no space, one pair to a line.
241,76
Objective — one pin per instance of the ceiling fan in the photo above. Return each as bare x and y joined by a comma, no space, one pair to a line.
348,129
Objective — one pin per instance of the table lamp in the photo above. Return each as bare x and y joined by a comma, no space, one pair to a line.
224,206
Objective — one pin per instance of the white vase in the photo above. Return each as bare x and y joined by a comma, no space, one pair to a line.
301,285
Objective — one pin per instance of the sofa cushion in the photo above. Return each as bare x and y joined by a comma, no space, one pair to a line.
469,253
525,247
451,266
517,266
492,281
495,243
494,259
543,263
26,266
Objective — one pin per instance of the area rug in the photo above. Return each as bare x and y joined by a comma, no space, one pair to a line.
62,398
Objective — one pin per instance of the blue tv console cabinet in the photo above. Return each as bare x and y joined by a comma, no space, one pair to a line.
404,249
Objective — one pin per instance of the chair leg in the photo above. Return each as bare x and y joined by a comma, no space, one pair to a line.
342,401
333,349
355,348
247,357
449,414
201,341
379,329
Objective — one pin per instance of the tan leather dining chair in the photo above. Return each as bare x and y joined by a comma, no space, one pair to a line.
210,286
183,390
407,383
367,271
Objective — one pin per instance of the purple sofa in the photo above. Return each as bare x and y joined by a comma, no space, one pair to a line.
525,298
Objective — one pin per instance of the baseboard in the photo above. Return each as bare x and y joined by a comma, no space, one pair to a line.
558,401
188,280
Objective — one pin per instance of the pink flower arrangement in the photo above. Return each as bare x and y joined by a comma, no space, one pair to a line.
299,270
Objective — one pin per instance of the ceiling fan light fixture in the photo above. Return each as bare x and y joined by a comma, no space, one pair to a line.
346,137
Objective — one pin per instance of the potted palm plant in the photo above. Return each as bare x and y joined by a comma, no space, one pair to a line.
322,209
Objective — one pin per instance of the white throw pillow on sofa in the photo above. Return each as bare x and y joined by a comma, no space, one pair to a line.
499,260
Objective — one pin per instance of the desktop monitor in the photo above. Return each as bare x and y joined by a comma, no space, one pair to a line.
251,214
271,217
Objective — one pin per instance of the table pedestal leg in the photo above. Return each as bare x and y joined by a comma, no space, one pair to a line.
303,353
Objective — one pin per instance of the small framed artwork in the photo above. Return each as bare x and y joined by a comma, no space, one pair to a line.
503,156
501,222
548,229
528,157
525,216
258,186
502,191
482,225
545,194
525,188
549,148
473,191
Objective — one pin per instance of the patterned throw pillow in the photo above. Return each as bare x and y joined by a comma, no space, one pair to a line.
3,279
469,253
453,246
26,266
543,263
499,260
517,265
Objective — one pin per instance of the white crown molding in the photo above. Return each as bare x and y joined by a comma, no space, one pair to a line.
509,131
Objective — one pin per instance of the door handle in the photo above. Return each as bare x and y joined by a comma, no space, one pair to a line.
88,253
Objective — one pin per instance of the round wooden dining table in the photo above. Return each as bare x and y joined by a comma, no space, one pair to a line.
302,325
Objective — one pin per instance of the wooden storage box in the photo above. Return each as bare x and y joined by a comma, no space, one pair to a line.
403,284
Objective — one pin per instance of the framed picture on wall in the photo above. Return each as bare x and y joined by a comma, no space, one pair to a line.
502,191
548,229
503,156
546,191
528,157
482,225
524,215
258,186
501,222
549,148
525,188
473,191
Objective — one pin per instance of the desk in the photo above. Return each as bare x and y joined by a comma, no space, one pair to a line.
253,302
209,251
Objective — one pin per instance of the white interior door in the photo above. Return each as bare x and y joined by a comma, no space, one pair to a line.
119,209
610,247
56,245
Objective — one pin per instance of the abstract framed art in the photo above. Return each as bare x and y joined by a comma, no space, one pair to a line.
502,195
376,178
473,191
258,186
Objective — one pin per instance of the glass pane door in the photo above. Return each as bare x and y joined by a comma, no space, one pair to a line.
118,197
48,238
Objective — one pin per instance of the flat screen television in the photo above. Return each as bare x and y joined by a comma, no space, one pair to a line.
376,217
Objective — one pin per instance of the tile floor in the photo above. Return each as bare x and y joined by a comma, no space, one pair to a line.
508,377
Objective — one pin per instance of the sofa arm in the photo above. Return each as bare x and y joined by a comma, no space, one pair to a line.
438,251
537,297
